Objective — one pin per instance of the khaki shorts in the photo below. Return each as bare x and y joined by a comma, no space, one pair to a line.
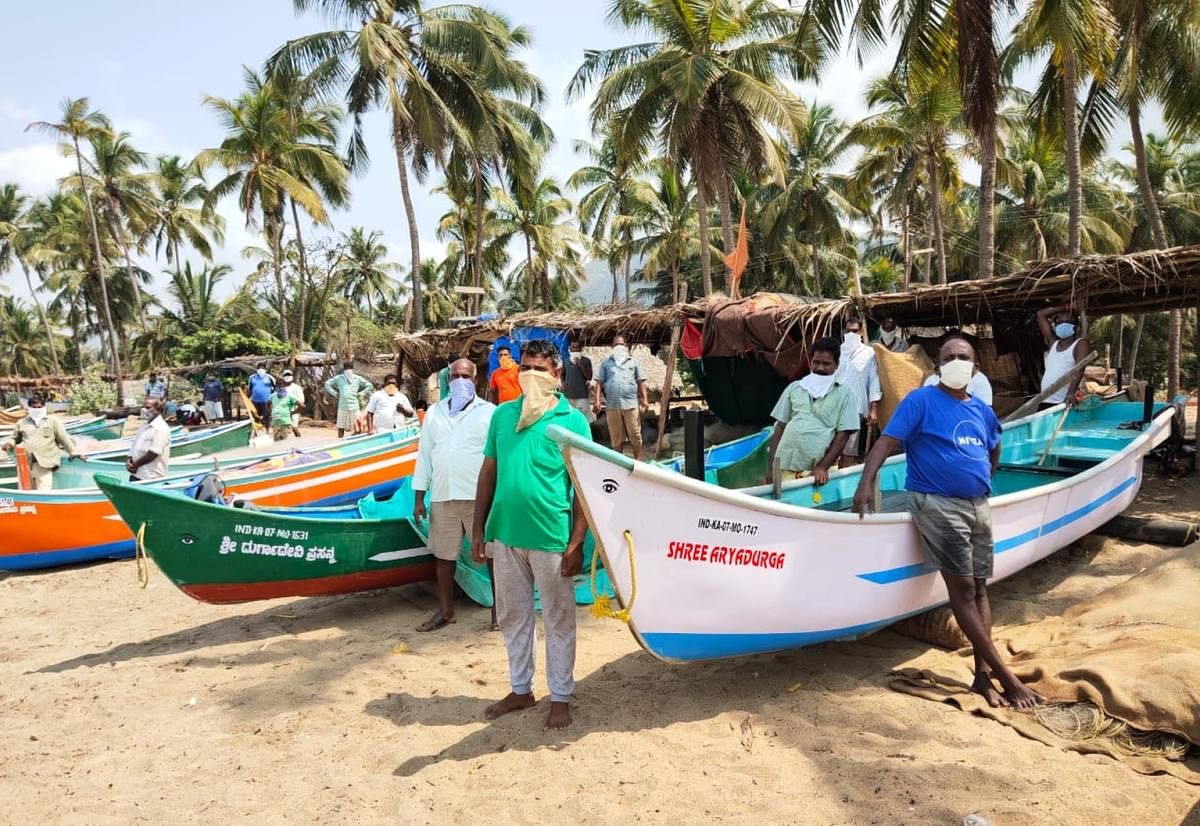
449,522
42,478
622,425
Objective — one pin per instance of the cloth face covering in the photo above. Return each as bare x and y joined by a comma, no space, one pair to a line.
816,385
461,393
620,352
852,340
37,414
537,389
261,371
889,337
1064,330
956,374
506,362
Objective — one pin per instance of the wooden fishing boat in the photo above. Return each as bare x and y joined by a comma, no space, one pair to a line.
707,572
218,553
101,430
41,529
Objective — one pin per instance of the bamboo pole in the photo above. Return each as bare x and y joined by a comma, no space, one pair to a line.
664,408
1066,379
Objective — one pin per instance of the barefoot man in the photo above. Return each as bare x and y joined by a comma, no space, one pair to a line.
448,460
953,444
524,504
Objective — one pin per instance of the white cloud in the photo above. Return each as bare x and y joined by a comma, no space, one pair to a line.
36,168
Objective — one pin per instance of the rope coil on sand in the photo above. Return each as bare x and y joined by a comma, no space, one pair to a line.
601,603
139,558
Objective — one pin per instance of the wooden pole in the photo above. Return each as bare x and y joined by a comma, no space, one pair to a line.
664,407
1066,379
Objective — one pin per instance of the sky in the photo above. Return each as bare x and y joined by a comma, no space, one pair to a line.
148,65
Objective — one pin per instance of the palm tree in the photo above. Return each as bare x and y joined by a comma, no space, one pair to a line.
1080,38
914,131
181,193
273,154
24,347
77,121
366,274
392,54
542,217
18,239
707,87
813,203
668,229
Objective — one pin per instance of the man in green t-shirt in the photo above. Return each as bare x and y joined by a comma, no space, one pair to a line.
524,504
283,404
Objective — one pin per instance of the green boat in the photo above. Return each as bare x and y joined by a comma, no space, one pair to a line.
102,431
219,554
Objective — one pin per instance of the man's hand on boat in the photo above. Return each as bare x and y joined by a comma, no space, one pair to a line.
820,476
863,500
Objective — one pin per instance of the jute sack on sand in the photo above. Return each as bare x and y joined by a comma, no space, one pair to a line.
899,375
1132,651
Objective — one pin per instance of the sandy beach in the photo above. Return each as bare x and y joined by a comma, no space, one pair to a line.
130,706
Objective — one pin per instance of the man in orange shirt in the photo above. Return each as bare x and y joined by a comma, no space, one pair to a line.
504,385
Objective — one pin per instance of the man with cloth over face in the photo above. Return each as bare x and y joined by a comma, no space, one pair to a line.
952,441
624,387
525,504
45,438
448,460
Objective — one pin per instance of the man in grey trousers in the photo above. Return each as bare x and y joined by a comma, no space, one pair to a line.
524,505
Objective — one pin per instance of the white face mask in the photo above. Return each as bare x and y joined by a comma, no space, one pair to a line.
852,339
262,371
575,355
37,414
348,372
620,352
957,374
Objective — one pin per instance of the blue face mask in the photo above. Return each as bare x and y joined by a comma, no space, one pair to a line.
461,392
1064,330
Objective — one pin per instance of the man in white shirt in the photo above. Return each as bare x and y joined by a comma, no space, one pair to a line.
979,387
296,392
151,448
449,456
388,409
857,372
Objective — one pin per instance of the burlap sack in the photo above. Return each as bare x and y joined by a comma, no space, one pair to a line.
899,375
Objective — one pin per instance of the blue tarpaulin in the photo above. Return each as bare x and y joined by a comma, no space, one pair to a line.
521,335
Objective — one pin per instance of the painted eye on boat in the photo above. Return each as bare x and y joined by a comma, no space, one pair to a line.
187,539
609,486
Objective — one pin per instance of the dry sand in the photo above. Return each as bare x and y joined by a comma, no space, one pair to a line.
128,706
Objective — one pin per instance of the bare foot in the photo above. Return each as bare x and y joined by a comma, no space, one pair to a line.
983,686
560,715
438,620
513,702
495,626
1020,696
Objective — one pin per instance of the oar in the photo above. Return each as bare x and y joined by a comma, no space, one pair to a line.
1064,380
1061,420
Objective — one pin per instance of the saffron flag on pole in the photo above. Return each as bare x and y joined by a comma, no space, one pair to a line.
737,260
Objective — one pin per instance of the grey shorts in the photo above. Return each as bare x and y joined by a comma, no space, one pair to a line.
956,534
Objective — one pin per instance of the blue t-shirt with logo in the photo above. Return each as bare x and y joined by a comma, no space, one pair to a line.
261,387
948,442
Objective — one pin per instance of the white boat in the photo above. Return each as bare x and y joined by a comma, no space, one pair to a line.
707,573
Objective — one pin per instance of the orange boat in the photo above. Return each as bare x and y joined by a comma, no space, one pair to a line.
42,529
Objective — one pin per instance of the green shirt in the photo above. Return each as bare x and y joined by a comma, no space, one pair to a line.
532,506
348,390
282,409
811,424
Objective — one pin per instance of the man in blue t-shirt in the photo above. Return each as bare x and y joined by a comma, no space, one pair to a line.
262,385
952,442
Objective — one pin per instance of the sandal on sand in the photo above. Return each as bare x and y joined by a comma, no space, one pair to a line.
435,622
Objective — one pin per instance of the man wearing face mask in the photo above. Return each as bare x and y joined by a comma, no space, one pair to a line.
624,387
891,336
151,448
1064,348
813,418
44,437
979,386
505,385
858,373
952,442
388,408
448,459
262,385
576,374
347,388
537,526
295,391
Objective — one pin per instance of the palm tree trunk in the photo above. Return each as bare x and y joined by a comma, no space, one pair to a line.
529,273
815,263
705,260
274,228
544,280
675,291
905,242
1137,343
612,271
414,241
987,202
1074,172
935,217
727,241
118,233
302,297
477,262
45,321
1174,345
628,262
108,322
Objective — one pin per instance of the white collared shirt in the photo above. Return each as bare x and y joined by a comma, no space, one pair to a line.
858,373
451,450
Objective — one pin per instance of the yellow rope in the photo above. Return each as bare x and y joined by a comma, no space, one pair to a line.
601,603
139,557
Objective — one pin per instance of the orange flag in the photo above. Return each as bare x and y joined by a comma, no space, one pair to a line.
737,260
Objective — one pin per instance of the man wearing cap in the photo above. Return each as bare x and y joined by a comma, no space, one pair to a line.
45,439
296,392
